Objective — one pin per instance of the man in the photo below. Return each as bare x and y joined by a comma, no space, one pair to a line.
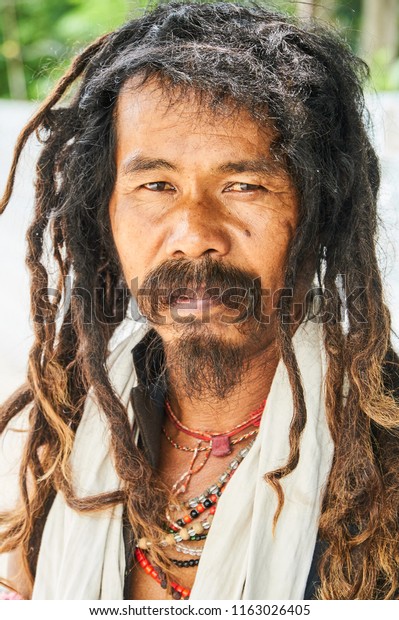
213,162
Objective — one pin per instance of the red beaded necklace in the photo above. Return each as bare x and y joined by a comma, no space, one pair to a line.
220,444
178,591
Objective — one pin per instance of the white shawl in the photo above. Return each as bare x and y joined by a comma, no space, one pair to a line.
82,556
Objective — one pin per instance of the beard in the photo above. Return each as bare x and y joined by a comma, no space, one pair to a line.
207,360
205,366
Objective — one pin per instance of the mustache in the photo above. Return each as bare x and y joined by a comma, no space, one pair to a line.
207,278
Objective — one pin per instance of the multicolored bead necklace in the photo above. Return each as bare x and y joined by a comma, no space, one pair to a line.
206,500
178,532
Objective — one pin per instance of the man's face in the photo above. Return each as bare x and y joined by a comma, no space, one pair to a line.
198,188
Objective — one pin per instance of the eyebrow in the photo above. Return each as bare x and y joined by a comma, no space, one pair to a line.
261,164
139,163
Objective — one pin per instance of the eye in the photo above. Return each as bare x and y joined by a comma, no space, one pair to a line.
158,186
243,187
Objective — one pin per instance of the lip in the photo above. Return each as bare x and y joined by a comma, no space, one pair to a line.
195,304
194,300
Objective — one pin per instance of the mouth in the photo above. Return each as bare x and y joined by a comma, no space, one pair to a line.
190,299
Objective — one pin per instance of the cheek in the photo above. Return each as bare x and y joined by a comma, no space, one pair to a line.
130,242
271,226
270,246
272,258
136,236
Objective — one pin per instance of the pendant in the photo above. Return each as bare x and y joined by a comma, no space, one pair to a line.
220,445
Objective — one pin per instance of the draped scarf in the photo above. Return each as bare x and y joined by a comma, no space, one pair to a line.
82,556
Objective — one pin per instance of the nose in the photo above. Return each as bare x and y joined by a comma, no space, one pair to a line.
196,231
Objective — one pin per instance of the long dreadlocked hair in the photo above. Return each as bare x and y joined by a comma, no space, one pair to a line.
308,85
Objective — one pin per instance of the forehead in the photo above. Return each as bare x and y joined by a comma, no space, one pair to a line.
152,117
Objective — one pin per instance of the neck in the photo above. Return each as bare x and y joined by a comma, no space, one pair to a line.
210,413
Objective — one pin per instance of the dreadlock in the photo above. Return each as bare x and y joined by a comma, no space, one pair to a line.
306,84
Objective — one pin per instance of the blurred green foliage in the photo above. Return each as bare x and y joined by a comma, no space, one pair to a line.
38,38
384,71
47,33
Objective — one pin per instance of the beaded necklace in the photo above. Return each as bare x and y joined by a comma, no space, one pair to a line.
199,504
156,573
179,533
223,479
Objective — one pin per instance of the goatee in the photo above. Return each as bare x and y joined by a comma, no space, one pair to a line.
205,366
206,362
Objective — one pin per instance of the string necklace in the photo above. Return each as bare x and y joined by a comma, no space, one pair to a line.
233,442
181,485
219,443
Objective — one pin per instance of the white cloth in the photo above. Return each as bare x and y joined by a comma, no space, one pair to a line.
82,556
242,559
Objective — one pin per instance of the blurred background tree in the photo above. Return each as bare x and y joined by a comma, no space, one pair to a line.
39,37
